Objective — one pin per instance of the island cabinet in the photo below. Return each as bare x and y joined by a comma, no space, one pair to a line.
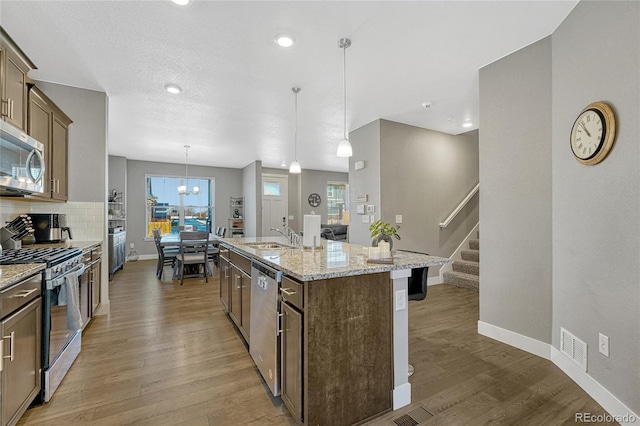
49,125
14,66
240,294
225,277
337,348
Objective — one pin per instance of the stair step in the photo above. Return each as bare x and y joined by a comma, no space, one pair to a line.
467,267
460,279
471,255
474,244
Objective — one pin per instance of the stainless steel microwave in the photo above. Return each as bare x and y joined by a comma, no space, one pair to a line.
21,162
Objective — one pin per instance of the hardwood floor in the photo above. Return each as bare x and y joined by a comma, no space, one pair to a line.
168,355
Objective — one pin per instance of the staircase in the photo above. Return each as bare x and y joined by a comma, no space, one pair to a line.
466,272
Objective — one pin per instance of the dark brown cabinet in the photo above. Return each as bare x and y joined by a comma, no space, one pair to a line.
89,284
14,66
240,293
225,277
291,360
49,125
20,348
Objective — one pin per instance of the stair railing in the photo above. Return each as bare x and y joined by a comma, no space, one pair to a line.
463,203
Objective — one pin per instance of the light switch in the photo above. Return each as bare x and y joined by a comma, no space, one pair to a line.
401,300
371,208
365,218
372,218
291,217
398,218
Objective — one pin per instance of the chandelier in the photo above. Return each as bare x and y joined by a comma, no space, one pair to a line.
183,189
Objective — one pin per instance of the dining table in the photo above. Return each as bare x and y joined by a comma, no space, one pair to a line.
173,240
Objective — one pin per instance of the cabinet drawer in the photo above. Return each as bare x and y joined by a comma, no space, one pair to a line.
20,294
240,261
292,292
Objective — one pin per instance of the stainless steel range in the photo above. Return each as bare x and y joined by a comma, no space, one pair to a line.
61,337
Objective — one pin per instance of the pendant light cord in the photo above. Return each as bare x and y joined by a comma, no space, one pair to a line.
295,136
186,164
344,86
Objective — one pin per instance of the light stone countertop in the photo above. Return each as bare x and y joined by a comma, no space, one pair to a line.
334,259
12,274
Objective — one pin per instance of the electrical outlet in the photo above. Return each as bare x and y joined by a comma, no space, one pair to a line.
132,245
401,300
398,218
603,344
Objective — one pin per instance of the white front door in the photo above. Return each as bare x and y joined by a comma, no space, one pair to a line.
274,204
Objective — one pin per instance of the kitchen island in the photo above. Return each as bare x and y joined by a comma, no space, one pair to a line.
343,326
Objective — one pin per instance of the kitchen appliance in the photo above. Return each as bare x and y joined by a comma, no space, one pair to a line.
60,341
50,227
264,340
21,162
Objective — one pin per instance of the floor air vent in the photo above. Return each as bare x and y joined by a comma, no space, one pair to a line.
413,418
574,348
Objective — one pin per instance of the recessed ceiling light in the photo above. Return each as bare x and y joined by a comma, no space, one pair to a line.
467,124
173,88
181,2
427,104
285,40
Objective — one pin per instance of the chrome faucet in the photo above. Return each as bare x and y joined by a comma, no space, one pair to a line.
294,239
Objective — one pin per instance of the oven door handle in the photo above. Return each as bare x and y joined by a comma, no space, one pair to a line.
78,270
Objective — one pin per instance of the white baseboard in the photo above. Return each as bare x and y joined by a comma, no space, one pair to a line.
517,340
148,257
434,281
102,309
616,408
621,413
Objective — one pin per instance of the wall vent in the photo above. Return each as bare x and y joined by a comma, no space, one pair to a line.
573,348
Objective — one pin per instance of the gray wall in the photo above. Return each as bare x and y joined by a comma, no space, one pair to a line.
596,236
424,175
117,174
315,181
366,147
228,184
419,174
515,192
87,153
528,103
252,192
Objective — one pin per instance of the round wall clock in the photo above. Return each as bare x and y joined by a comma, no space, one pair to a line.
314,200
593,133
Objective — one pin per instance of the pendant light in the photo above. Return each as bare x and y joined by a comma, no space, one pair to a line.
344,147
183,189
295,166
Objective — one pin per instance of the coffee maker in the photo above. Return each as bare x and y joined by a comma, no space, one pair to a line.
50,227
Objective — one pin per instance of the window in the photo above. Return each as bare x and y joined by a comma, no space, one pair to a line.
338,203
166,209
271,188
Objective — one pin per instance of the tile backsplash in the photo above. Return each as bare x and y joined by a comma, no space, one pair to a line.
86,219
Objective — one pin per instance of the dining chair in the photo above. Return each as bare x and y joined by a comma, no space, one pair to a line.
194,249
185,228
166,255
221,232
218,228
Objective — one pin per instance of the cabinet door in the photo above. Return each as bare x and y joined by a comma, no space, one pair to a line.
95,286
235,310
20,340
58,165
246,303
83,288
15,90
225,275
291,341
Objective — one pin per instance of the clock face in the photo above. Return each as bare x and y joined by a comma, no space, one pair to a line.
593,133
587,136
314,200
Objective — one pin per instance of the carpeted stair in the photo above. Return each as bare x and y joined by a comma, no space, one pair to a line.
466,272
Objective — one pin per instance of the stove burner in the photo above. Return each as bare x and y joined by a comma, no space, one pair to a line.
49,255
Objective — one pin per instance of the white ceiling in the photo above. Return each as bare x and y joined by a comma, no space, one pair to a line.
237,106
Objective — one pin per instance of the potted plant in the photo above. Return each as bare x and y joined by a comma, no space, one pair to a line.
383,231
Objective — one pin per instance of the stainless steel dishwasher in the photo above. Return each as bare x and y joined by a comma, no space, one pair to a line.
264,340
